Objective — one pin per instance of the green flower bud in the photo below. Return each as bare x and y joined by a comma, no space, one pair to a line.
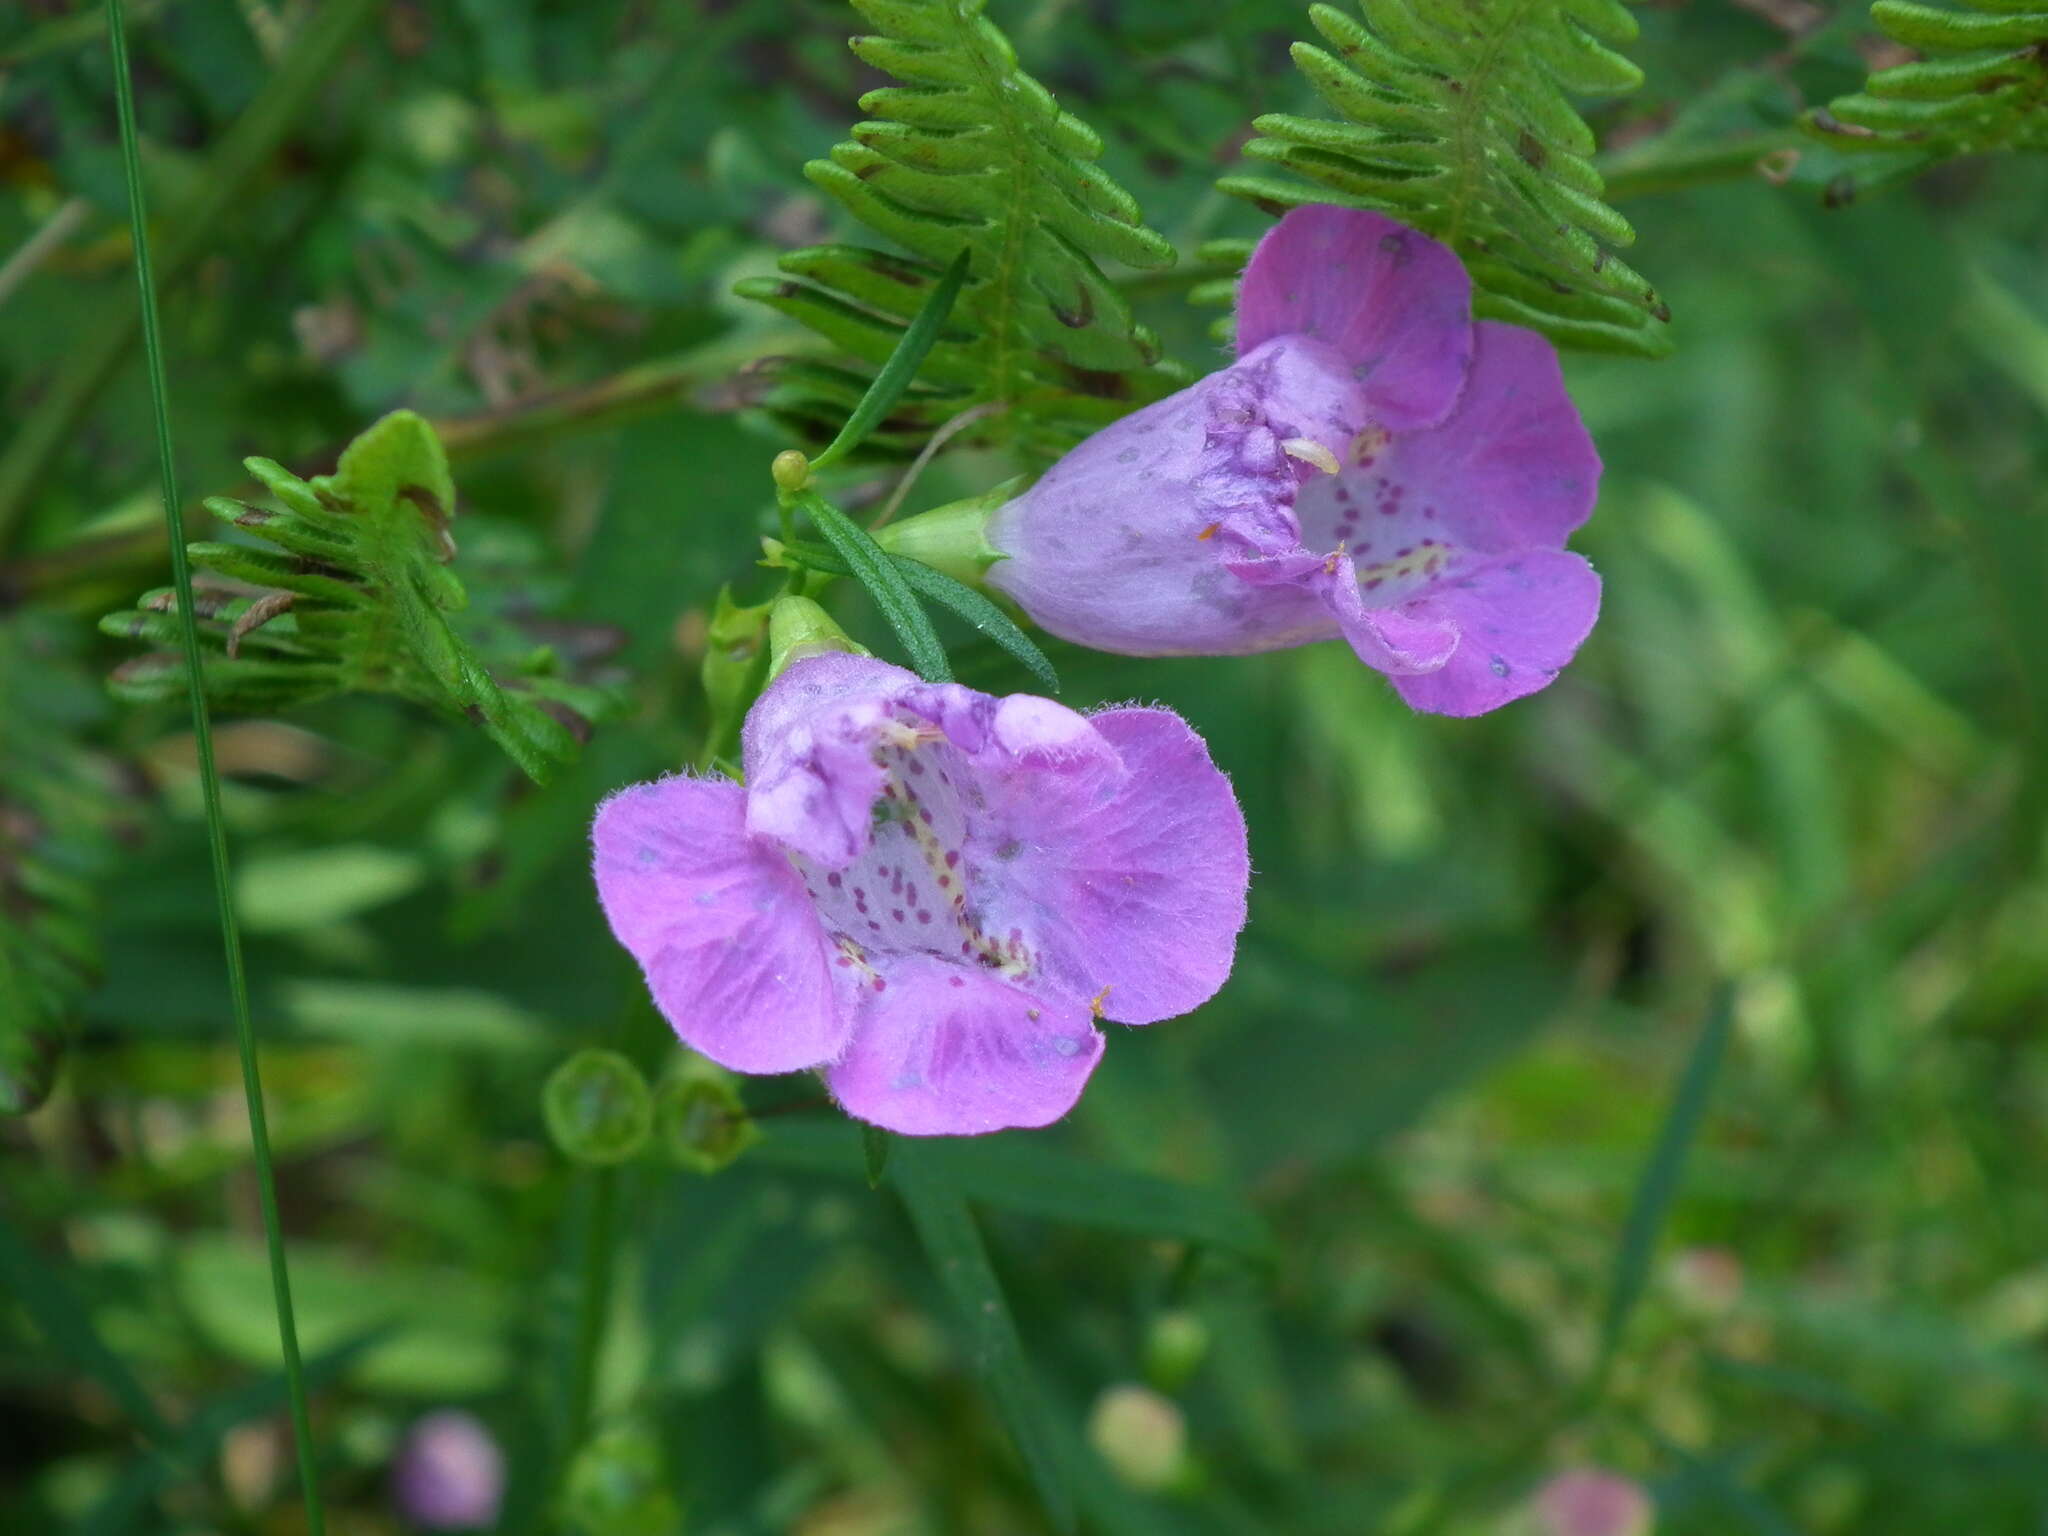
618,1486
699,1118
597,1107
791,470
952,538
1175,1346
798,627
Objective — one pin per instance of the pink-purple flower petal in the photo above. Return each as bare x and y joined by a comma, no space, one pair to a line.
1138,899
1514,469
1395,303
953,1050
1519,622
732,951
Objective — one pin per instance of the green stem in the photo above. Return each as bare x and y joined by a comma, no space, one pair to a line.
209,776
1657,169
643,390
594,1306
244,150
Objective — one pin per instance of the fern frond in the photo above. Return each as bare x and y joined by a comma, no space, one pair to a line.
970,153
356,594
61,806
1458,120
1981,87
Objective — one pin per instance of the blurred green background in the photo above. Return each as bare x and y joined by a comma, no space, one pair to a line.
1362,1228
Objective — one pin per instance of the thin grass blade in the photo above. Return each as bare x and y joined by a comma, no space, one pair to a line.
209,775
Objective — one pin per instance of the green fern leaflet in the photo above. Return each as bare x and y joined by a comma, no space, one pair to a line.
1982,88
358,596
969,152
1459,121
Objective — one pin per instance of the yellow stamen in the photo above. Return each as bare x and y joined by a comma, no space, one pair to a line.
1309,451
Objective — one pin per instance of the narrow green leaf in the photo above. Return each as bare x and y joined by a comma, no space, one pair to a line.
953,1243
874,570
930,582
977,610
1659,1185
902,366
1020,1174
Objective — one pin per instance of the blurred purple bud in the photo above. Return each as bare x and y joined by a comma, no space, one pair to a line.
1590,1502
450,1474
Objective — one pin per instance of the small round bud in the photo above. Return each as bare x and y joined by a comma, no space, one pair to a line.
597,1107
1175,1346
1141,1435
700,1121
792,471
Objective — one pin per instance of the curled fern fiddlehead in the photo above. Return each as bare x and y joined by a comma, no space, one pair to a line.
1459,121
357,595
969,152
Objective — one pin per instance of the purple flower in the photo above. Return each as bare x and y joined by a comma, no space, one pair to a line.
1375,465
929,892
450,1474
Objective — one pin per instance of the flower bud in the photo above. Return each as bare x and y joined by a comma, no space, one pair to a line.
791,470
700,1120
449,1474
597,1107
1175,1347
952,538
798,627
1141,1435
